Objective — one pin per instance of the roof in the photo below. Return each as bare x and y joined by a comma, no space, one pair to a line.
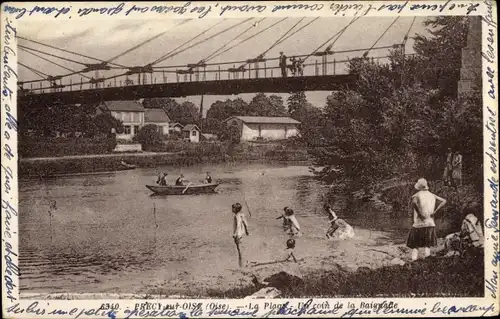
156,116
129,106
265,119
176,124
190,127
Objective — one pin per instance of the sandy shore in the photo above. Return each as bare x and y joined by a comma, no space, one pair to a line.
369,249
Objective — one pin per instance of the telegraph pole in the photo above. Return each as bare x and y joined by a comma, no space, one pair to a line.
201,114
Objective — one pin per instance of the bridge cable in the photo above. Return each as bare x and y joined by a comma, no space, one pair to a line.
147,41
248,38
39,73
59,65
214,54
332,37
298,30
50,54
171,52
67,51
380,37
408,32
209,38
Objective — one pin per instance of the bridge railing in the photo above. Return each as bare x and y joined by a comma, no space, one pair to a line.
256,70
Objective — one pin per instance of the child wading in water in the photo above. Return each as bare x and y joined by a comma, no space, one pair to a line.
240,227
290,246
339,228
286,221
293,225
423,231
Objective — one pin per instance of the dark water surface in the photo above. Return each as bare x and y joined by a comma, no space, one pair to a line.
106,231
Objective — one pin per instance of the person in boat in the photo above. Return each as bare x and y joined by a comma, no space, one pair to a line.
338,227
286,221
208,179
240,228
162,180
180,181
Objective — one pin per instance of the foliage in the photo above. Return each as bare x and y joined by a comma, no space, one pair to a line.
262,105
221,110
399,122
440,54
231,134
149,135
67,120
185,113
311,118
56,147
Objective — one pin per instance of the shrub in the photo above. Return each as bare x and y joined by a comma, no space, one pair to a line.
149,135
62,146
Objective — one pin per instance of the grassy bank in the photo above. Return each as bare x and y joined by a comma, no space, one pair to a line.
431,277
183,154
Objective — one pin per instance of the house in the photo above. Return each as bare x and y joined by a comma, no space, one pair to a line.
266,127
159,118
191,132
131,113
175,127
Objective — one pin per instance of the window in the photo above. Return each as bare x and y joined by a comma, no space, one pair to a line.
193,133
136,129
286,130
126,129
127,116
260,131
132,117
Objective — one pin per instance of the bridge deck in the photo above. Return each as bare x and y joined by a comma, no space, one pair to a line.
221,87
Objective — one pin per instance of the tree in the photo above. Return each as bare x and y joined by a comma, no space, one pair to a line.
104,123
160,103
149,135
311,118
222,110
440,54
262,105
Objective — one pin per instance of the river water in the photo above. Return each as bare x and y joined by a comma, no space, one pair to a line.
105,233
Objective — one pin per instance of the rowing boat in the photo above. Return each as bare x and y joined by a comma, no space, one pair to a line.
183,190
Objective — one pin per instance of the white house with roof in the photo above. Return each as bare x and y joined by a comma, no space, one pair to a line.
191,132
159,118
131,113
265,127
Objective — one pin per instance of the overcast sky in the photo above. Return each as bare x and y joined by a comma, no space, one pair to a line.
107,39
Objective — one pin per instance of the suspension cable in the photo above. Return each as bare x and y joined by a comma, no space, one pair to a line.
249,38
50,54
168,55
408,32
50,61
214,54
298,30
209,38
39,73
147,41
281,38
332,37
67,51
380,37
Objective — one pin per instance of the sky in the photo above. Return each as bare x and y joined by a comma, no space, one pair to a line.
105,40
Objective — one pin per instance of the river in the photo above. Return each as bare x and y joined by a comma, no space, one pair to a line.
105,233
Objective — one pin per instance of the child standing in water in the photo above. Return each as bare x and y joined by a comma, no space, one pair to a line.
286,221
294,227
240,227
290,246
339,228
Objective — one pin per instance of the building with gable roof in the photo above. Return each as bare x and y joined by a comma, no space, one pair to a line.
264,127
159,118
131,113
191,132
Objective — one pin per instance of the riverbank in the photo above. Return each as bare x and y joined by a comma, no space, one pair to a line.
202,153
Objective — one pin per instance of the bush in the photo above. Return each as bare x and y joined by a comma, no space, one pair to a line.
149,135
62,146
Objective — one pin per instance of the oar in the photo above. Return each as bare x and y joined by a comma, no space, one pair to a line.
248,208
185,189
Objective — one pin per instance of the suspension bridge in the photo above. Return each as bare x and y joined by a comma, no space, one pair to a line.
320,69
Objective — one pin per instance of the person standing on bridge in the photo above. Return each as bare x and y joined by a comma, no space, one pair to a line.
283,64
